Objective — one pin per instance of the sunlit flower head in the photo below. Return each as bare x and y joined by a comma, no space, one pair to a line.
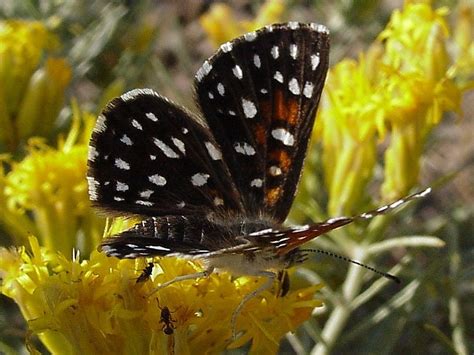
50,183
346,123
97,306
416,66
398,90
31,93
221,24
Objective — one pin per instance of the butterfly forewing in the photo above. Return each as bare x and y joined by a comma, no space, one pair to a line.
259,95
148,156
288,239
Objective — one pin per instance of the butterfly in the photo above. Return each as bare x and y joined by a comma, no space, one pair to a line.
217,185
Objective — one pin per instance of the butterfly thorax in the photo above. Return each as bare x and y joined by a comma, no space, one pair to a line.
251,254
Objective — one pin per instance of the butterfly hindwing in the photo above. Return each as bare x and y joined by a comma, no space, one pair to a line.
171,235
259,95
148,156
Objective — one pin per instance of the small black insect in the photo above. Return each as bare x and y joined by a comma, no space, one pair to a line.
146,273
167,320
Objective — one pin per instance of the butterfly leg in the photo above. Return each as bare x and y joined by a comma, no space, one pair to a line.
194,276
269,283
283,283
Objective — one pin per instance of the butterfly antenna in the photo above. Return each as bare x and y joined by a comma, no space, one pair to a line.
338,256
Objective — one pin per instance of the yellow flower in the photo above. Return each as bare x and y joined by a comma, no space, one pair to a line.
50,183
17,225
43,98
96,305
463,69
401,87
221,25
30,95
419,89
346,124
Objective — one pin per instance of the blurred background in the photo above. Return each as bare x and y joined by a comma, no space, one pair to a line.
71,57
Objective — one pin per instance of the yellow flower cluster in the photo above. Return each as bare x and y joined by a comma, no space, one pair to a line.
400,87
50,184
96,306
31,92
221,25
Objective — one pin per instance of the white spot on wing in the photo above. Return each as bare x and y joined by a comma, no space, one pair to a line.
226,47
179,144
237,72
308,89
204,70
300,228
170,153
181,204
93,185
152,157
275,171
121,186
220,89
284,136
256,61
261,232
157,179
157,247
126,140
122,164
278,77
132,94
275,52
211,95
293,50
137,125
319,28
249,37
118,198
199,179
264,91
381,209
335,220
144,203
314,61
244,148
100,125
293,25
397,203
151,116
294,87
256,183
214,153
249,108
92,153
146,193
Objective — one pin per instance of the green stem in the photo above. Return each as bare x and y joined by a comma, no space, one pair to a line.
455,312
341,313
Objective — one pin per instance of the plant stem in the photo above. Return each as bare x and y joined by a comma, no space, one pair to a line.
339,316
